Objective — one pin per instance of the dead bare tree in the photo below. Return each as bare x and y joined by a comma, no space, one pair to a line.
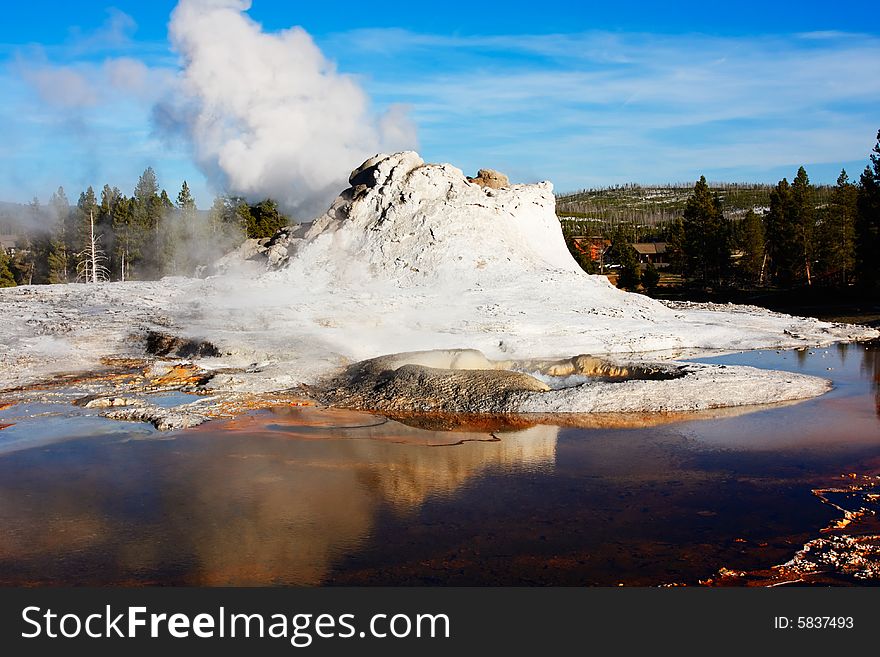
91,266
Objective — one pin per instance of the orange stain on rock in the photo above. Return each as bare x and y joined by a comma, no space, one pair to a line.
180,375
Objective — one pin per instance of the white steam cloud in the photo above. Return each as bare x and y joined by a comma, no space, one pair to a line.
267,114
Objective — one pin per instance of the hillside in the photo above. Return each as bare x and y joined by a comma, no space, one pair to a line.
12,217
656,204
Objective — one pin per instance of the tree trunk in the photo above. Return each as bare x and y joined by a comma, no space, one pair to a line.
94,247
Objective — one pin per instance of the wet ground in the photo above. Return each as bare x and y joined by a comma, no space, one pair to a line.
299,495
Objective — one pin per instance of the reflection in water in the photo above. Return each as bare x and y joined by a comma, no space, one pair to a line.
842,350
310,496
871,367
271,498
405,478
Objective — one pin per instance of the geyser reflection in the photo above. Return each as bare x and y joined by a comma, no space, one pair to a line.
241,503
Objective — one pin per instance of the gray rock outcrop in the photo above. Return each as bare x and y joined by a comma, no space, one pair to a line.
455,381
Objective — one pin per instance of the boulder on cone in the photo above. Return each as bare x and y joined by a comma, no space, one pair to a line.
490,178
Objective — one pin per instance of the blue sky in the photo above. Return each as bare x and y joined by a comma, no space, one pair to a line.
582,94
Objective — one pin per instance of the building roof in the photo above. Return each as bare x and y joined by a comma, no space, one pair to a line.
591,238
650,248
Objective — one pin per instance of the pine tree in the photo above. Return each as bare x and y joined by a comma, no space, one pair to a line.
803,219
675,245
622,253
23,262
752,263
217,216
782,246
123,243
868,222
265,219
58,261
650,278
145,219
163,237
165,203
243,212
224,224
146,192
87,208
106,228
185,200
707,236
7,278
40,245
837,256
62,246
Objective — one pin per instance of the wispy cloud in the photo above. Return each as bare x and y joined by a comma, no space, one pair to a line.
114,34
88,84
624,106
78,113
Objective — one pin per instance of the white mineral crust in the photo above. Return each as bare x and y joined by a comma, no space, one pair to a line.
413,257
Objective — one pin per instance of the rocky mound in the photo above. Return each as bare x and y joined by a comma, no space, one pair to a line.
451,381
465,381
415,256
419,223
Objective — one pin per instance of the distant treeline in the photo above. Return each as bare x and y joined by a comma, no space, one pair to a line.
786,236
659,204
144,236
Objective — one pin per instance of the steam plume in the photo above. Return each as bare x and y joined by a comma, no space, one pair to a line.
267,113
